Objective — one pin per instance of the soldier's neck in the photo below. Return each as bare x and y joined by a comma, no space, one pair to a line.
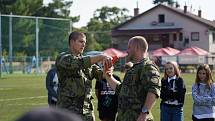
74,53
139,58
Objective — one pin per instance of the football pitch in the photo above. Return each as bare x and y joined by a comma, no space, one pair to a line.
21,92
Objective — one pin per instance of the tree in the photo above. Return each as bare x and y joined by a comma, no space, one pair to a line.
51,32
104,19
170,2
113,15
4,3
57,9
21,7
7,2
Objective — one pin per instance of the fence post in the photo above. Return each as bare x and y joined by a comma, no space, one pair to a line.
0,50
37,46
10,45
10,68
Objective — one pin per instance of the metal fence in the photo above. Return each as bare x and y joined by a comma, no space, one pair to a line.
27,38
27,65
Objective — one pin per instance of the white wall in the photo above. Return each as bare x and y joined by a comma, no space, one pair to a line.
180,21
211,43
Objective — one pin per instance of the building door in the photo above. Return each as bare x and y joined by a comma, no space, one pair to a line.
165,40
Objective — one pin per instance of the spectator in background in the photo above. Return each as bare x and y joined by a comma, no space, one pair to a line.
49,114
203,92
33,62
52,86
172,93
107,99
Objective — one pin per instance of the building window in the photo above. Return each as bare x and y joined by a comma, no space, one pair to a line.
161,18
213,37
186,40
180,36
174,37
195,36
115,46
156,37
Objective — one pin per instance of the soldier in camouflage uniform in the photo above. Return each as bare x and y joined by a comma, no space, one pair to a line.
70,70
141,85
91,73
88,105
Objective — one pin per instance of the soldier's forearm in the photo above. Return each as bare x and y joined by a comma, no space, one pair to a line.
97,58
150,100
112,81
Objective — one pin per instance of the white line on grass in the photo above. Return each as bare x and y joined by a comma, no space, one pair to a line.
23,98
32,104
5,89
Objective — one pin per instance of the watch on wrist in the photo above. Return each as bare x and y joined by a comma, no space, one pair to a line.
145,110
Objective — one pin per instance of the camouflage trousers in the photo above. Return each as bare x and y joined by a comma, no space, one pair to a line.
131,115
89,116
88,113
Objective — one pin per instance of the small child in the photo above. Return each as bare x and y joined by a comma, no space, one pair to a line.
172,93
203,92
107,99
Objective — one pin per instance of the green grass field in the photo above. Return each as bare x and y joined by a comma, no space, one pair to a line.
19,93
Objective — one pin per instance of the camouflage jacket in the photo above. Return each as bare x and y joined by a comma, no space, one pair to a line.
91,73
72,88
142,78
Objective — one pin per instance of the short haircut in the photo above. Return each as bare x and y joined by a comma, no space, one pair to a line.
139,42
49,114
75,35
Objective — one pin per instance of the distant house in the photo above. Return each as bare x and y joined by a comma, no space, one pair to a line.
165,26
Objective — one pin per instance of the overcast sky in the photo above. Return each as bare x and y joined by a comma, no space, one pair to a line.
85,8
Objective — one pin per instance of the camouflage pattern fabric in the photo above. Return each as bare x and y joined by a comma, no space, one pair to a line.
88,105
91,73
142,78
88,109
72,80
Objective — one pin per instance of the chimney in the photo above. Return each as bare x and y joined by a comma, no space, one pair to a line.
185,9
200,13
177,5
136,11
